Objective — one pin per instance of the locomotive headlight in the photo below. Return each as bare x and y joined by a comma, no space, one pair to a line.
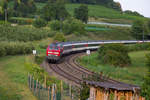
56,52
50,52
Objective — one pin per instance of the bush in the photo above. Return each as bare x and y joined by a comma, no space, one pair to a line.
39,59
73,26
15,48
59,37
21,21
22,33
55,25
114,54
146,85
38,23
139,46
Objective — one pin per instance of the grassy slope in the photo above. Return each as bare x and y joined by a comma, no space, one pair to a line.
133,74
13,79
102,12
13,75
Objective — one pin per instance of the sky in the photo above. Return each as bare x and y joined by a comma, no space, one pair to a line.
141,6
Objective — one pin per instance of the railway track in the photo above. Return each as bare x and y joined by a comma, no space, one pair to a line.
70,71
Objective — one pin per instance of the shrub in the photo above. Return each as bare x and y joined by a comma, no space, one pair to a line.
55,25
38,23
59,37
73,26
22,33
114,54
21,21
139,46
2,51
39,59
15,48
146,85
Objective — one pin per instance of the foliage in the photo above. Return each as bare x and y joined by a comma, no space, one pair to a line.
21,20
22,33
146,85
114,54
133,74
24,7
139,47
100,11
59,37
73,26
132,13
139,28
15,48
55,25
81,13
51,11
39,58
38,23
115,5
84,92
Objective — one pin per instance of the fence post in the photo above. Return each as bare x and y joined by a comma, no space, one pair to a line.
48,93
30,82
45,81
52,92
61,86
70,89
33,84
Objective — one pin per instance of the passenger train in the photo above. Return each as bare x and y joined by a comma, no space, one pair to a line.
55,50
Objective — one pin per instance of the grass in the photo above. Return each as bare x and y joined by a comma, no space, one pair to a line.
132,74
102,12
13,79
114,33
13,74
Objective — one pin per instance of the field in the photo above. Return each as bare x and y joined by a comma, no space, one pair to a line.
132,74
101,13
111,33
13,79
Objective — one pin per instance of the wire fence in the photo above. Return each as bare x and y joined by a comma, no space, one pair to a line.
43,92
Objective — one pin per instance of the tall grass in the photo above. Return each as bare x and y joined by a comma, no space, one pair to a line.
132,74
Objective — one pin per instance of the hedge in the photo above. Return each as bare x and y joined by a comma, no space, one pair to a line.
21,21
23,33
15,48
114,54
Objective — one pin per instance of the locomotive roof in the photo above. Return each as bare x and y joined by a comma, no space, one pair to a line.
91,41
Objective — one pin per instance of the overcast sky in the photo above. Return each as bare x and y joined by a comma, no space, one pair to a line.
141,6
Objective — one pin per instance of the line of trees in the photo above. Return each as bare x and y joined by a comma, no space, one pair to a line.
141,29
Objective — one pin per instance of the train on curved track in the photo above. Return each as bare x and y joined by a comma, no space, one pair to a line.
55,51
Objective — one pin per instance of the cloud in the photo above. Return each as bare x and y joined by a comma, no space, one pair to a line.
141,6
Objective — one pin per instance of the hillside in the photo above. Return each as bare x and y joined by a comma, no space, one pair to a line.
101,13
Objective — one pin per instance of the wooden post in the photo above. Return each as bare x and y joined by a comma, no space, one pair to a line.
127,96
30,82
45,81
115,96
36,85
33,85
61,86
52,92
70,90
48,93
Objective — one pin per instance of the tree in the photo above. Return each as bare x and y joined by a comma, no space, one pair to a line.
38,23
59,37
24,7
55,10
81,13
146,85
139,29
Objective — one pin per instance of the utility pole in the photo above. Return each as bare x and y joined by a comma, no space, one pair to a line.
5,15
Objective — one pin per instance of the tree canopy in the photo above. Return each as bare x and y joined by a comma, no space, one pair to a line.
81,13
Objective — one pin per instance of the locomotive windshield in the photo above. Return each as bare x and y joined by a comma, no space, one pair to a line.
54,47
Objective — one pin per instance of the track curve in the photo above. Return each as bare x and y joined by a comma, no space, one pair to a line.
71,72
